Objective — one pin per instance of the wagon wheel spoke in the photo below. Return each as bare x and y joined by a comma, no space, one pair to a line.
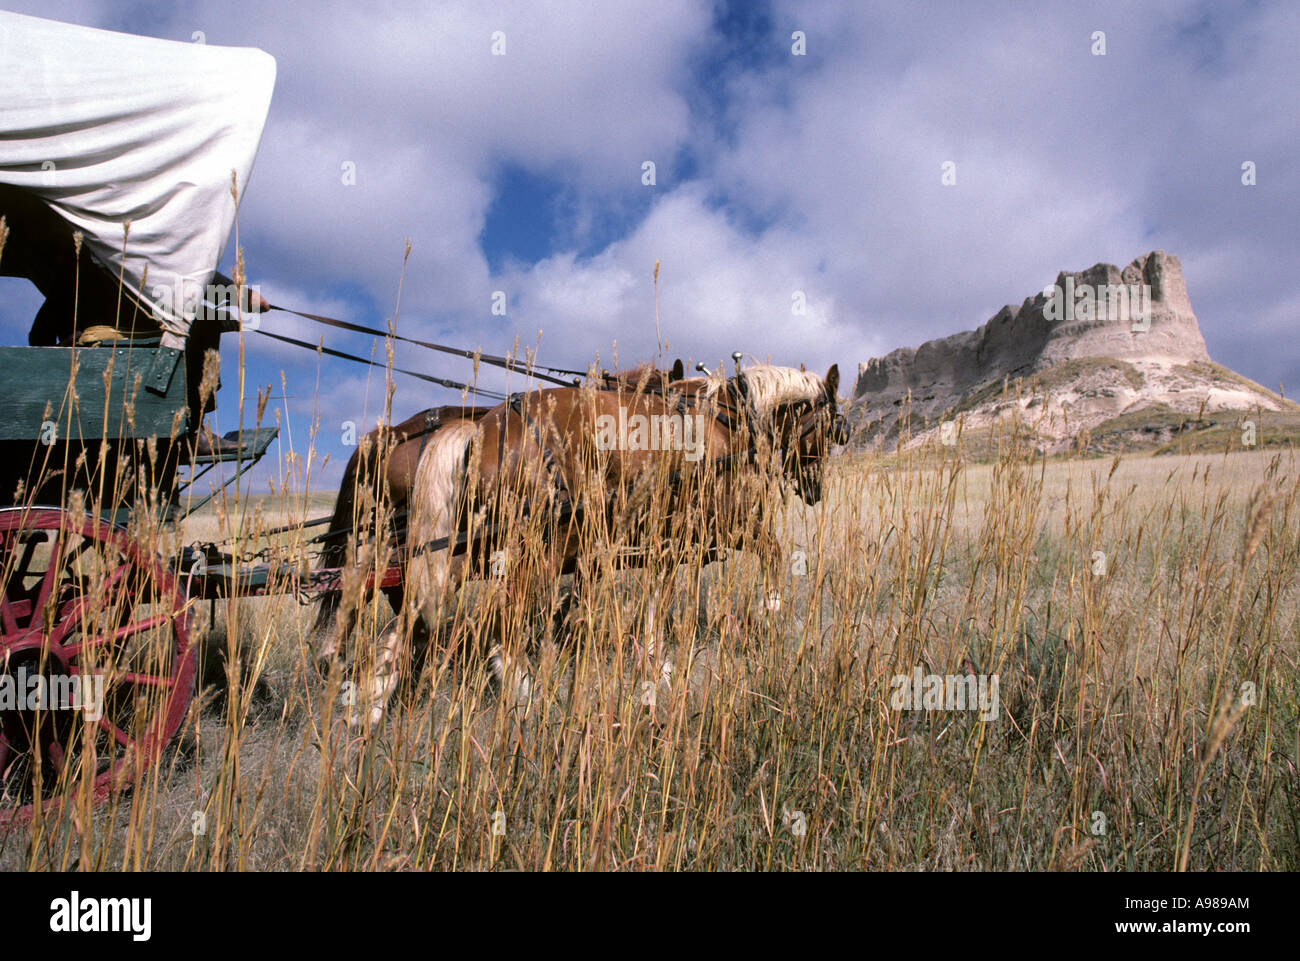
108,588
115,578
121,633
66,619
8,615
115,732
54,751
50,577
144,680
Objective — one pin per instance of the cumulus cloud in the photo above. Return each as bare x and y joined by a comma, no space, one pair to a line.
721,289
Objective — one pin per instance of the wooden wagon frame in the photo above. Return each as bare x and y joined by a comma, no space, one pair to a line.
135,149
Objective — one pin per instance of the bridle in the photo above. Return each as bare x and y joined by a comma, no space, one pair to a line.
739,416
808,420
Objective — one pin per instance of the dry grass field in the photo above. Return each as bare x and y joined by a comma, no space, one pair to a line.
1141,615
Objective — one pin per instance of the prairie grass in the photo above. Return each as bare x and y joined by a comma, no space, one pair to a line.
1141,614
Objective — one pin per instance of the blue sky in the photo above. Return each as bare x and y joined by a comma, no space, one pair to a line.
775,174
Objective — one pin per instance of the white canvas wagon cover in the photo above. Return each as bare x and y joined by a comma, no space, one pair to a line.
109,127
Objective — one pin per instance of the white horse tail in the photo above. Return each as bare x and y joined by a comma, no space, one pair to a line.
435,500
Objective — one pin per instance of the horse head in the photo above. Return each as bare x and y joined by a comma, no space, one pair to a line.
802,419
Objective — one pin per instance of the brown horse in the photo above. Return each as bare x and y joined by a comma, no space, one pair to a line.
644,377
562,463
397,448
375,490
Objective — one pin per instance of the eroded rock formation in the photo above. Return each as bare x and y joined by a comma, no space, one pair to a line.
1099,345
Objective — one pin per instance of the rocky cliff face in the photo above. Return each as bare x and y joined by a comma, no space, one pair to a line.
1097,345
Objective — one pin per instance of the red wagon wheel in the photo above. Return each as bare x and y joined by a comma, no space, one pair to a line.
96,666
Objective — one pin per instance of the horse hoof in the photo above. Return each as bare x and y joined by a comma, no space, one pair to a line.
510,679
365,722
524,690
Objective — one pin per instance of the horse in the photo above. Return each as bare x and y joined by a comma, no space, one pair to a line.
549,460
377,484
380,474
785,418
642,377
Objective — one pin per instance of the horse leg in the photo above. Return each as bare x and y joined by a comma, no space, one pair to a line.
564,620
352,594
508,657
382,675
510,674
754,535
381,655
770,559
379,659
332,641
657,664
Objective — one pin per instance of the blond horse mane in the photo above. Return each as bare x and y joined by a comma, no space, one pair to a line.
769,386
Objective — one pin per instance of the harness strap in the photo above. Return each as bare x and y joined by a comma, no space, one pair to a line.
440,381
493,359
432,417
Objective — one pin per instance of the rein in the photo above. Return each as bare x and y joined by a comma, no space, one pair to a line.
440,381
507,363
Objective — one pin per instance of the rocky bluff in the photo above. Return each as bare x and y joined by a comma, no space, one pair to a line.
1089,352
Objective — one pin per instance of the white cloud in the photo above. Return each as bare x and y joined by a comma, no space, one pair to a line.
418,102
720,290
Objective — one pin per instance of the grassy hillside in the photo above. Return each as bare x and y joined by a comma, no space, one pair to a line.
1165,431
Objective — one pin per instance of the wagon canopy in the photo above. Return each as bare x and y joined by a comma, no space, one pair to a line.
109,127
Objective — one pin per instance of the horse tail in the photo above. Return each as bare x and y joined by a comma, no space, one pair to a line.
436,506
335,554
